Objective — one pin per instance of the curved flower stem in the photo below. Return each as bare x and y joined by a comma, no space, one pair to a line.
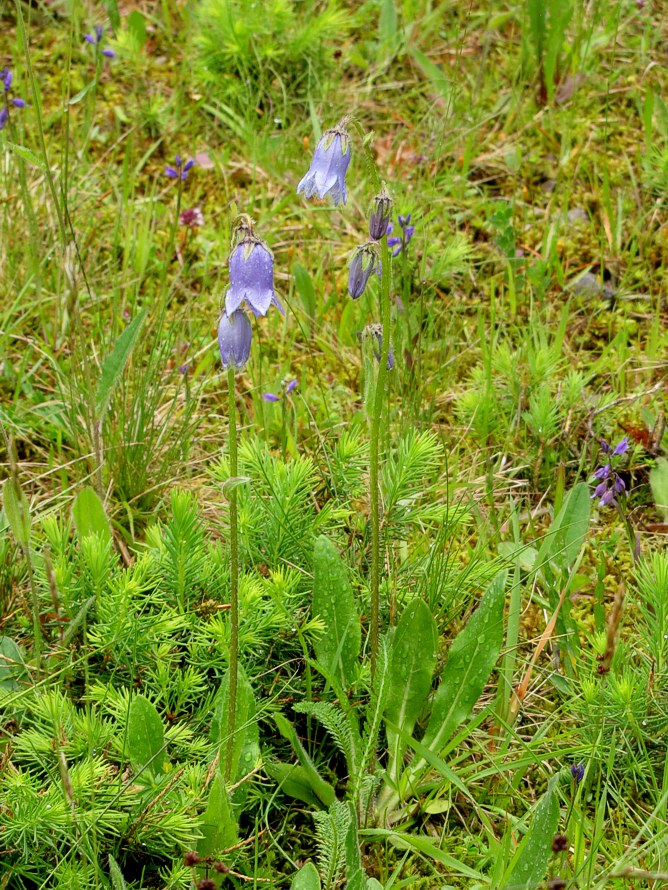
234,579
379,397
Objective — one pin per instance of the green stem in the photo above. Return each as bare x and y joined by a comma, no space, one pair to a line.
379,397
234,579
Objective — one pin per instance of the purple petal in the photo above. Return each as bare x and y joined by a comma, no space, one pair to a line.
397,250
109,53
178,160
620,485
602,472
270,397
99,31
188,165
171,172
600,490
90,39
18,103
409,231
622,447
291,385
404,220
7,78
4,115
607,498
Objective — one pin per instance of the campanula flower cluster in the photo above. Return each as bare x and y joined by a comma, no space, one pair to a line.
96,39
180,169
610,483
9,102
251,268
407,231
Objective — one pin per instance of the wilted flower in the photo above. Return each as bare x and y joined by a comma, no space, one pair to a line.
234,339
327,174
610,483
179,170
375,333
96,39
6,79
251,277
379,220
192,218
407,232
365,260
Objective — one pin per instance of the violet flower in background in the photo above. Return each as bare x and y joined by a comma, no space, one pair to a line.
379,220
234,339
407,232
96,39
287,389
365,260
610,483
251,266
179,170
16,102
192,218
326,176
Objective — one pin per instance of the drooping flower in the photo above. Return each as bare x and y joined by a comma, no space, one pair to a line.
192,218
374,333
407,232
286,390
234,339
179,170
251,266
16,102
365,260
326,176
379,220
96,39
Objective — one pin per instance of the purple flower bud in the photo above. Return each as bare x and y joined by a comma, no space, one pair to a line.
4,117
171,173
364,262
7,77
291,385
109,53
622,447
600,490
251,279
380,215
578,771
326,176
178,161
234,339
270,397
404,220
99,31
602,472
607,498
619,484
188,166
90,39
18,103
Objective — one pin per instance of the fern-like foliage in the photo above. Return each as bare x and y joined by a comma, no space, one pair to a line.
341,728
331,828
184,548
408,477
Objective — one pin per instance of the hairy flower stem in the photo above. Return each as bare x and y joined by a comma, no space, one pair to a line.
234,578
379,397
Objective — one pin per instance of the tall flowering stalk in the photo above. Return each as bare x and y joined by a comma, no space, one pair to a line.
326,178
251,267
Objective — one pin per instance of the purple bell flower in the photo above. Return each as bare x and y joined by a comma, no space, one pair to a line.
6,79
379,220
287,389
326,176
610,483
364,262
577,771
251,278
234,339
407,232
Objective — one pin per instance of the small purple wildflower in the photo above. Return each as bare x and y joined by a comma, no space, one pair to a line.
326,176
96,39
374,332
179,170
251,266
610,483
6,79
577,771
290,386
234,339
270,397
286,390
192,218
407,232
364,262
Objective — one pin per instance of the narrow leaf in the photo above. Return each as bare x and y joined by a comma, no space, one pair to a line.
333,601
305,289
116,875
412,665
89,515
17,512
246,751
294,781
323,790
472,656
146,736
566,535
114,365
527,868
12,666
218,826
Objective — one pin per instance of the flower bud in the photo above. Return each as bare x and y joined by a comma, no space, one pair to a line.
234,339
380,215
364,262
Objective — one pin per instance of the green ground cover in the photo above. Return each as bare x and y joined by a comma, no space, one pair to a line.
507,725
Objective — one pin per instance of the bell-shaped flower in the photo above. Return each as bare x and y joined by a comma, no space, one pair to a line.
379,219
251,267
364,262
326,176
234,339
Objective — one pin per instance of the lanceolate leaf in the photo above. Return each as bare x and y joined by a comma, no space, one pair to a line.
294,781
307,878
472,656
218,826
566,535
323,790
246,740
527,868
339,647
413,658
114,365
17,512
146,736
89,515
